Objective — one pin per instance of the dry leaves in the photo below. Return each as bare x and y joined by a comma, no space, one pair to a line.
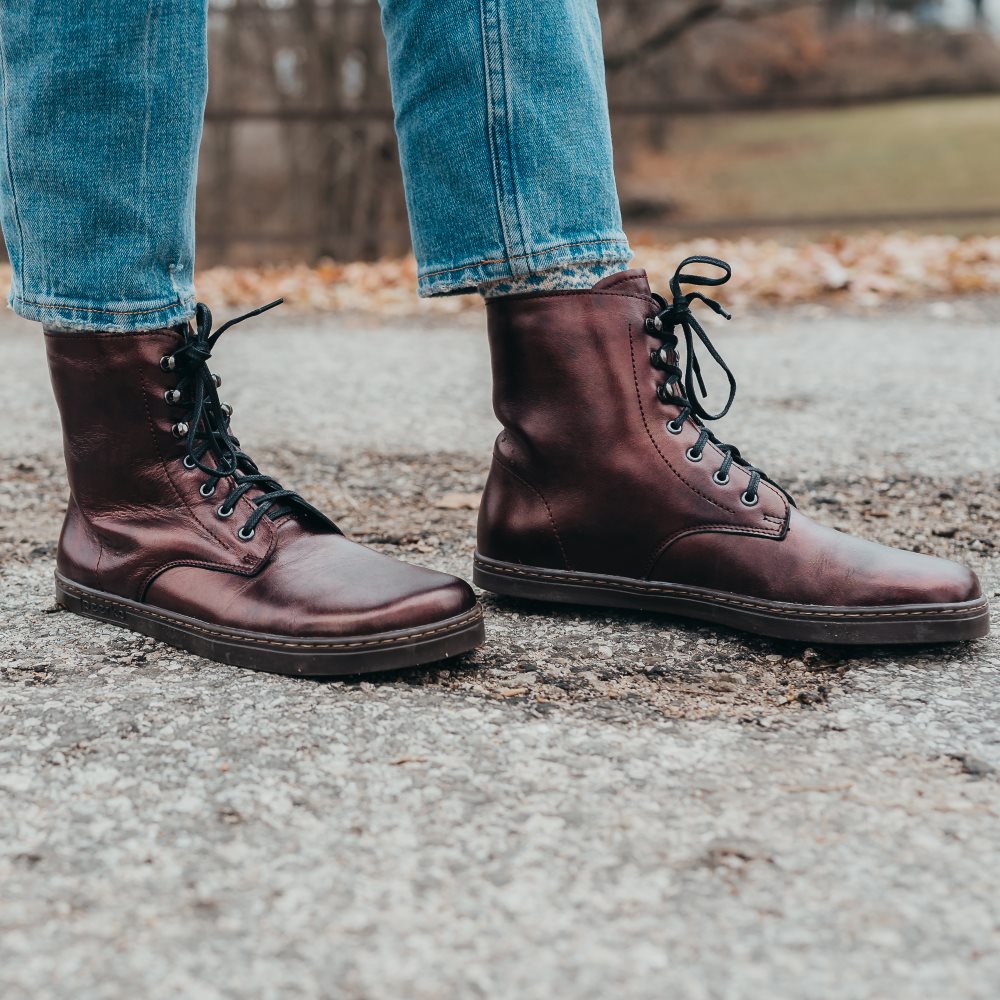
863,269
458,501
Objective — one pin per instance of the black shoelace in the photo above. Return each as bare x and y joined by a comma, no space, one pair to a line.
686,389
207,433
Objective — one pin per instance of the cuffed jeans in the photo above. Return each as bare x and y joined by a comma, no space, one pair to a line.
501,114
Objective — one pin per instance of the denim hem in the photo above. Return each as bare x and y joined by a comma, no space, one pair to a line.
122,317
466,278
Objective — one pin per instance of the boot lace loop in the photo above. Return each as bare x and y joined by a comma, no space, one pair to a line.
209,437
686,388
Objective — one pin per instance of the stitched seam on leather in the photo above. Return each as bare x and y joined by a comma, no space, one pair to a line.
470,616
680,591
649,434
719,529
100,552
170,479
195,522
197,563
548,509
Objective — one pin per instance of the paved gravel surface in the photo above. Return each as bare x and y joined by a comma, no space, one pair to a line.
594,805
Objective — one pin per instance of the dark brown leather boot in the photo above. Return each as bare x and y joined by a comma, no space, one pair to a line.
607,488
173,532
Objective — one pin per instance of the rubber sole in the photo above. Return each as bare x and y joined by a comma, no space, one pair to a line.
277,654
909,624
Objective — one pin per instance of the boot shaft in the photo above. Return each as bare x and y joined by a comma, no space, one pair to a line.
110,389
563,376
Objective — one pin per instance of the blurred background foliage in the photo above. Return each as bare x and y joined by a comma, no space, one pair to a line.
787,117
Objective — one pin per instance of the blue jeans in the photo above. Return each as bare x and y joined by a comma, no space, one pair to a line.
503,132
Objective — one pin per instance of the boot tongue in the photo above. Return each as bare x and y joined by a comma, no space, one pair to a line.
632,282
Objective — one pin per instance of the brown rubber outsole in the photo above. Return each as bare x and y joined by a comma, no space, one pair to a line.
334,657
905,624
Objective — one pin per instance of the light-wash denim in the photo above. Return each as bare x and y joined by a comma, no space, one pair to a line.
103,102
502,120
501,114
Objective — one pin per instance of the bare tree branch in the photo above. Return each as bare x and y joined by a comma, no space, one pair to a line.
674,29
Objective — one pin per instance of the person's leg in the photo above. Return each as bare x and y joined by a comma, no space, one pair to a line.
103,103
171,529
606,486
502,119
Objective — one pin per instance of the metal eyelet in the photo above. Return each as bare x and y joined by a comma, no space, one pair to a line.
227,409
222,512
663,393
207,492
674,428
694,456
654,324
172,396
168,362
189,462
747,502
718,480
246,535
180,429
217,379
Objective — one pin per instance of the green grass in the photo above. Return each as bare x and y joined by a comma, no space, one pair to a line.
915,157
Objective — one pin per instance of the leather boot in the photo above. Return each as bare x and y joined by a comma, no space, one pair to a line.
172,530
607,488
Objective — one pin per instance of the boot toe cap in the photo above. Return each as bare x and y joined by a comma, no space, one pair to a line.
945,582
318,586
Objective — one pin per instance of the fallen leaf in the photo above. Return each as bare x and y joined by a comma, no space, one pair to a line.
458,501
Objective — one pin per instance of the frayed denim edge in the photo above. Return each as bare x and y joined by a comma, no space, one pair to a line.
56,316
466,278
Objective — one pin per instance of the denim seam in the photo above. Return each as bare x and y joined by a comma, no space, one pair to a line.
94,309
9,165
498,118
511,257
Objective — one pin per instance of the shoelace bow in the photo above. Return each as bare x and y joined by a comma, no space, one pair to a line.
208,434
686,389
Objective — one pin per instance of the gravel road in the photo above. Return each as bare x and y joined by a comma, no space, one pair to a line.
595,805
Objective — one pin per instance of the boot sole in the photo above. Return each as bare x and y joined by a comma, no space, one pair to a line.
278,654
904,624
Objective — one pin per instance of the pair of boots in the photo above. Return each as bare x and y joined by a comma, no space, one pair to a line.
606,488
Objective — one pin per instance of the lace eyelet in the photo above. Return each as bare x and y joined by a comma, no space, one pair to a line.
180,429
217,379
227,409
719,480
694,456
207,492
172,397
246,535
223,513
749,501
188,463
168,362
663,393
654,324
674,428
